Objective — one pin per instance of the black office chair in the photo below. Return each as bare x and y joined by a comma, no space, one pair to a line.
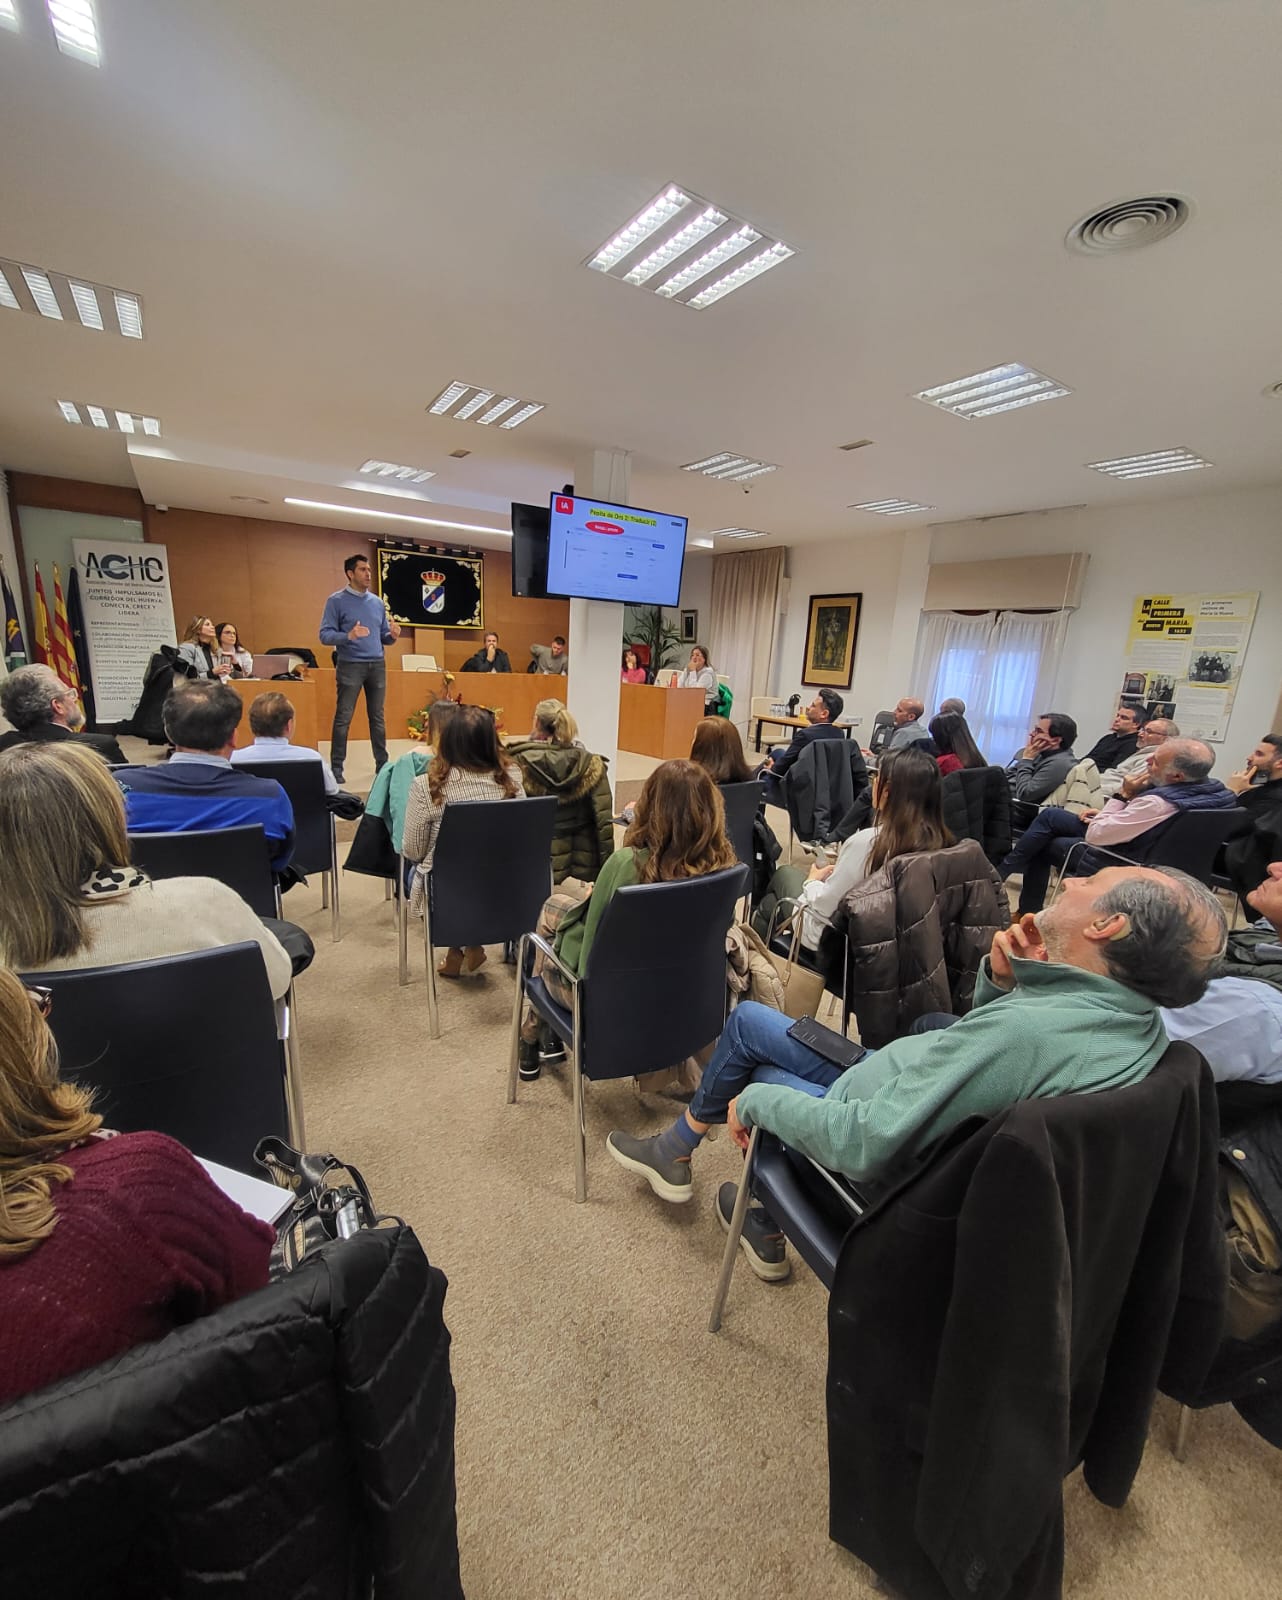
652,993
742,802
1188,841
883,731
186,1045
315,836
238,857
491,873
306,655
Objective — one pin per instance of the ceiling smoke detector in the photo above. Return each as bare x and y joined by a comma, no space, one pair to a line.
1128,225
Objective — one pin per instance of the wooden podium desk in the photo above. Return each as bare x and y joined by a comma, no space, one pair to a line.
658,722
301,695
515,693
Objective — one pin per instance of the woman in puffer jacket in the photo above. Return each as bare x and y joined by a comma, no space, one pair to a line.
553,762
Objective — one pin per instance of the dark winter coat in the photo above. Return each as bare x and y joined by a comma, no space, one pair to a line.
1247,856
297,1442
977,806
583,834
917,930
828,778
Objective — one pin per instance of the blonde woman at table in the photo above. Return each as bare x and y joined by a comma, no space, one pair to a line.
699,675
198,655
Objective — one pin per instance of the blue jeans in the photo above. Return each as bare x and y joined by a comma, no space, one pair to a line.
1043,845
755,1048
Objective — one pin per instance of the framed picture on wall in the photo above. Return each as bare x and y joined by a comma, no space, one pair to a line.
425,591
689,627
832,630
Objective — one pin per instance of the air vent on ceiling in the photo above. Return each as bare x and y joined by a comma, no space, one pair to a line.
1275,389
858,444
1128,224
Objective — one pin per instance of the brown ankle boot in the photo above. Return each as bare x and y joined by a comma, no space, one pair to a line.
452,965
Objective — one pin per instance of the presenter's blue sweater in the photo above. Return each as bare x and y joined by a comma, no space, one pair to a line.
187,796
343,610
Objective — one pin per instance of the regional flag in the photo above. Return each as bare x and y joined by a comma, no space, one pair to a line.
15,650
40,631
64,650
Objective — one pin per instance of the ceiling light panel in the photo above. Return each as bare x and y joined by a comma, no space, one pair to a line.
1151,465
679,241
390,469
75,300
8,14
463,401
75,27
890,508
395,516
736,533
986,394
730,468
109,418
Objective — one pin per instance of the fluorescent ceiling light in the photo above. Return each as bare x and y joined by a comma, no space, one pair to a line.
87,307
730,468
7,296
672,228
151,425
70,410
124,422
741,275
97,416
395,516
701,544
42,293
890,508
76,29
120,421
1152,465
736,533
454,392
60,298
8,15
661,209
389,469
986,394
128,314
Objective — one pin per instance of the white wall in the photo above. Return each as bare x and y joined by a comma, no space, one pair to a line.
1221,542
696,594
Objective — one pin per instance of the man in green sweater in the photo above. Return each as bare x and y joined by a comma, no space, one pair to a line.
1065,1004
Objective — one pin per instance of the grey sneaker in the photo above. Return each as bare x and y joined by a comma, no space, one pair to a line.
670,1180
760,1240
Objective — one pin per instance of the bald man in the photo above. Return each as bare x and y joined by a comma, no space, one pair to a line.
908,729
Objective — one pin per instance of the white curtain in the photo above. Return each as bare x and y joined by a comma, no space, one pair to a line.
743,633
1003,664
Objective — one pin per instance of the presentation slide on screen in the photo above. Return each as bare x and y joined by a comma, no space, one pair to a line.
598,551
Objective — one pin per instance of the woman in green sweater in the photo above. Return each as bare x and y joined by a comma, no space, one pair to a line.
679,831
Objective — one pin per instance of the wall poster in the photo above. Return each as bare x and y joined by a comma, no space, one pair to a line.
129,614
1184,656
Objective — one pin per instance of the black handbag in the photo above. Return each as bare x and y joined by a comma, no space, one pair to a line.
331,1201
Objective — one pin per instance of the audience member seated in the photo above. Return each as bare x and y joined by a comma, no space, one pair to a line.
45,710
198,653
717,747
908,713
388,800
699,675
68,895
633,671
954,742
679,831
1258,787
821,715
1121,740
229,650
550,659
1079,990
951,707
105,1242
1237,1024
198,788
489,658
469,765
1177,779
1046,760
271,721
553,762
1152,733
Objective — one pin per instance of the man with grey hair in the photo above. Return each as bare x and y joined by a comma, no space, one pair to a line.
1152,734
43,710
951,707
1176,778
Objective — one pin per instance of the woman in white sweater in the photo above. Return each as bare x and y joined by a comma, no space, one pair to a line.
699,675
68,895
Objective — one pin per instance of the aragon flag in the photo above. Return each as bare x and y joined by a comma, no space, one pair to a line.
15,649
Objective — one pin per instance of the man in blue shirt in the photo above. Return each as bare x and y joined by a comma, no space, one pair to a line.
356,624
198,787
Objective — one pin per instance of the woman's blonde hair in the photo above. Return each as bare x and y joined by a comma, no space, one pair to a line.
470,743
191,634
39,1118
62,817
552,718
680,819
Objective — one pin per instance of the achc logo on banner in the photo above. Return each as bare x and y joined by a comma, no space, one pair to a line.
122,568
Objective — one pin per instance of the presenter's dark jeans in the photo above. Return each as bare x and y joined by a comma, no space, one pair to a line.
353,676
1044,844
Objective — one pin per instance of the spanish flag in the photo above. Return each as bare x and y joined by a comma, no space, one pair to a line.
64,649
40,629
15,649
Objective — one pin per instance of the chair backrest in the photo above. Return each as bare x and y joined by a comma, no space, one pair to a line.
883,731
238,857
742,801
418,664
186,1046
655,989
977,806
1080,790
304,783
665,677
1187,841
304,651
491,869
762,705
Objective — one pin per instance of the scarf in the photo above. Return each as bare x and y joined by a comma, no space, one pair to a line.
107,883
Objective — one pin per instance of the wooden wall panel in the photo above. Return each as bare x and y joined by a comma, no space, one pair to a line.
72,494
272,578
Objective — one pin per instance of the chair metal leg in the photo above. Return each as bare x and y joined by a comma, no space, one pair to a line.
324,877
580,1116
732,1238
433,1007
1180,1449
387,888
402,929
293,1075
331,883
514,1053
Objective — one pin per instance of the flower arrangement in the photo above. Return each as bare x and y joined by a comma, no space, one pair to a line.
416,722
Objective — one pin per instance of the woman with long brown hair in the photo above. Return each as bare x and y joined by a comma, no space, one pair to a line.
141,1241
955,743
469,764
678,831
718,749
198,654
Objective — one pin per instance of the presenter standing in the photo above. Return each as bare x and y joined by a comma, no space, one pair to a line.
356,624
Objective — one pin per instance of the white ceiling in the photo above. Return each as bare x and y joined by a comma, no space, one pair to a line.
332,210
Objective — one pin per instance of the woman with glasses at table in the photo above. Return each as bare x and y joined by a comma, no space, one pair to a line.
106,1241
68,894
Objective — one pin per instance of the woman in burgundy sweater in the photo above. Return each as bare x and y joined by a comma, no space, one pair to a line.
105,1241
